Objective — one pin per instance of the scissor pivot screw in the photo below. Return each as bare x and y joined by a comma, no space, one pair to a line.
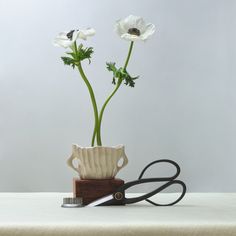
118,196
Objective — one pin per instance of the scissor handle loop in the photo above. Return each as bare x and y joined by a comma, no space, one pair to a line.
164,161
177,200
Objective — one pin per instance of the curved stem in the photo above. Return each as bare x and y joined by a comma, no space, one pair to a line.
129,54
92,96
99,141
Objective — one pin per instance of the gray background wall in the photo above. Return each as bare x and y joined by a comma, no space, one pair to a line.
183,105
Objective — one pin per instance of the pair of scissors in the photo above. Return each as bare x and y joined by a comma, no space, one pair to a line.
118,197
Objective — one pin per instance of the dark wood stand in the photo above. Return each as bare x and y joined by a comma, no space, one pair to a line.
91,190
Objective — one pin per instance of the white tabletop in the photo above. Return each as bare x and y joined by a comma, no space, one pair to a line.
31,214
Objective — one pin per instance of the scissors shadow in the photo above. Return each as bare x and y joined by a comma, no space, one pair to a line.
144,205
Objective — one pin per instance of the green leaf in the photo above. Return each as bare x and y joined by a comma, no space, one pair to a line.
111,66
85,53
129,80
114,80
72,54
69,61
121,73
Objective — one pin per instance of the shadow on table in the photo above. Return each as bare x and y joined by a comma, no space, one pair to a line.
144,205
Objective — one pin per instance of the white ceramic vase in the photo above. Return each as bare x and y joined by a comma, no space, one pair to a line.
98,162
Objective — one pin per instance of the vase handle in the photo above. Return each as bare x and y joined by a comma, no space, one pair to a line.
72,158
125,160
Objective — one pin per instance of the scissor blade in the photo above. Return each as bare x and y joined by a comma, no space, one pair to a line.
100,201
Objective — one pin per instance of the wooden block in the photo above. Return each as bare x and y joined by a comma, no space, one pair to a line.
91,190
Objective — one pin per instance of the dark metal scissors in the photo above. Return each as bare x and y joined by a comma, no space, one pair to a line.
118,197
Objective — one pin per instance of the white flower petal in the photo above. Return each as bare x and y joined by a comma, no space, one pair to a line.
62,35
135,22
130,37
62,40
83,34
90,32
131,20
75,36
120,27
125,24
65,43
149,31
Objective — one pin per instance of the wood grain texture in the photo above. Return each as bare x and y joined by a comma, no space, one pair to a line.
91,190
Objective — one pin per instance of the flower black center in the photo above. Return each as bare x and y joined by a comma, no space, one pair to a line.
70,34
134,31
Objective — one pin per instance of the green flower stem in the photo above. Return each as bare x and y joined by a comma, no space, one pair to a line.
99,141
129,54
92,96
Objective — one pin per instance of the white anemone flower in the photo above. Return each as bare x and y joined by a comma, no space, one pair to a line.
134,28
66,39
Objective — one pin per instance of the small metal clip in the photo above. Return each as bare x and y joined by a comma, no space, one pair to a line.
70,202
